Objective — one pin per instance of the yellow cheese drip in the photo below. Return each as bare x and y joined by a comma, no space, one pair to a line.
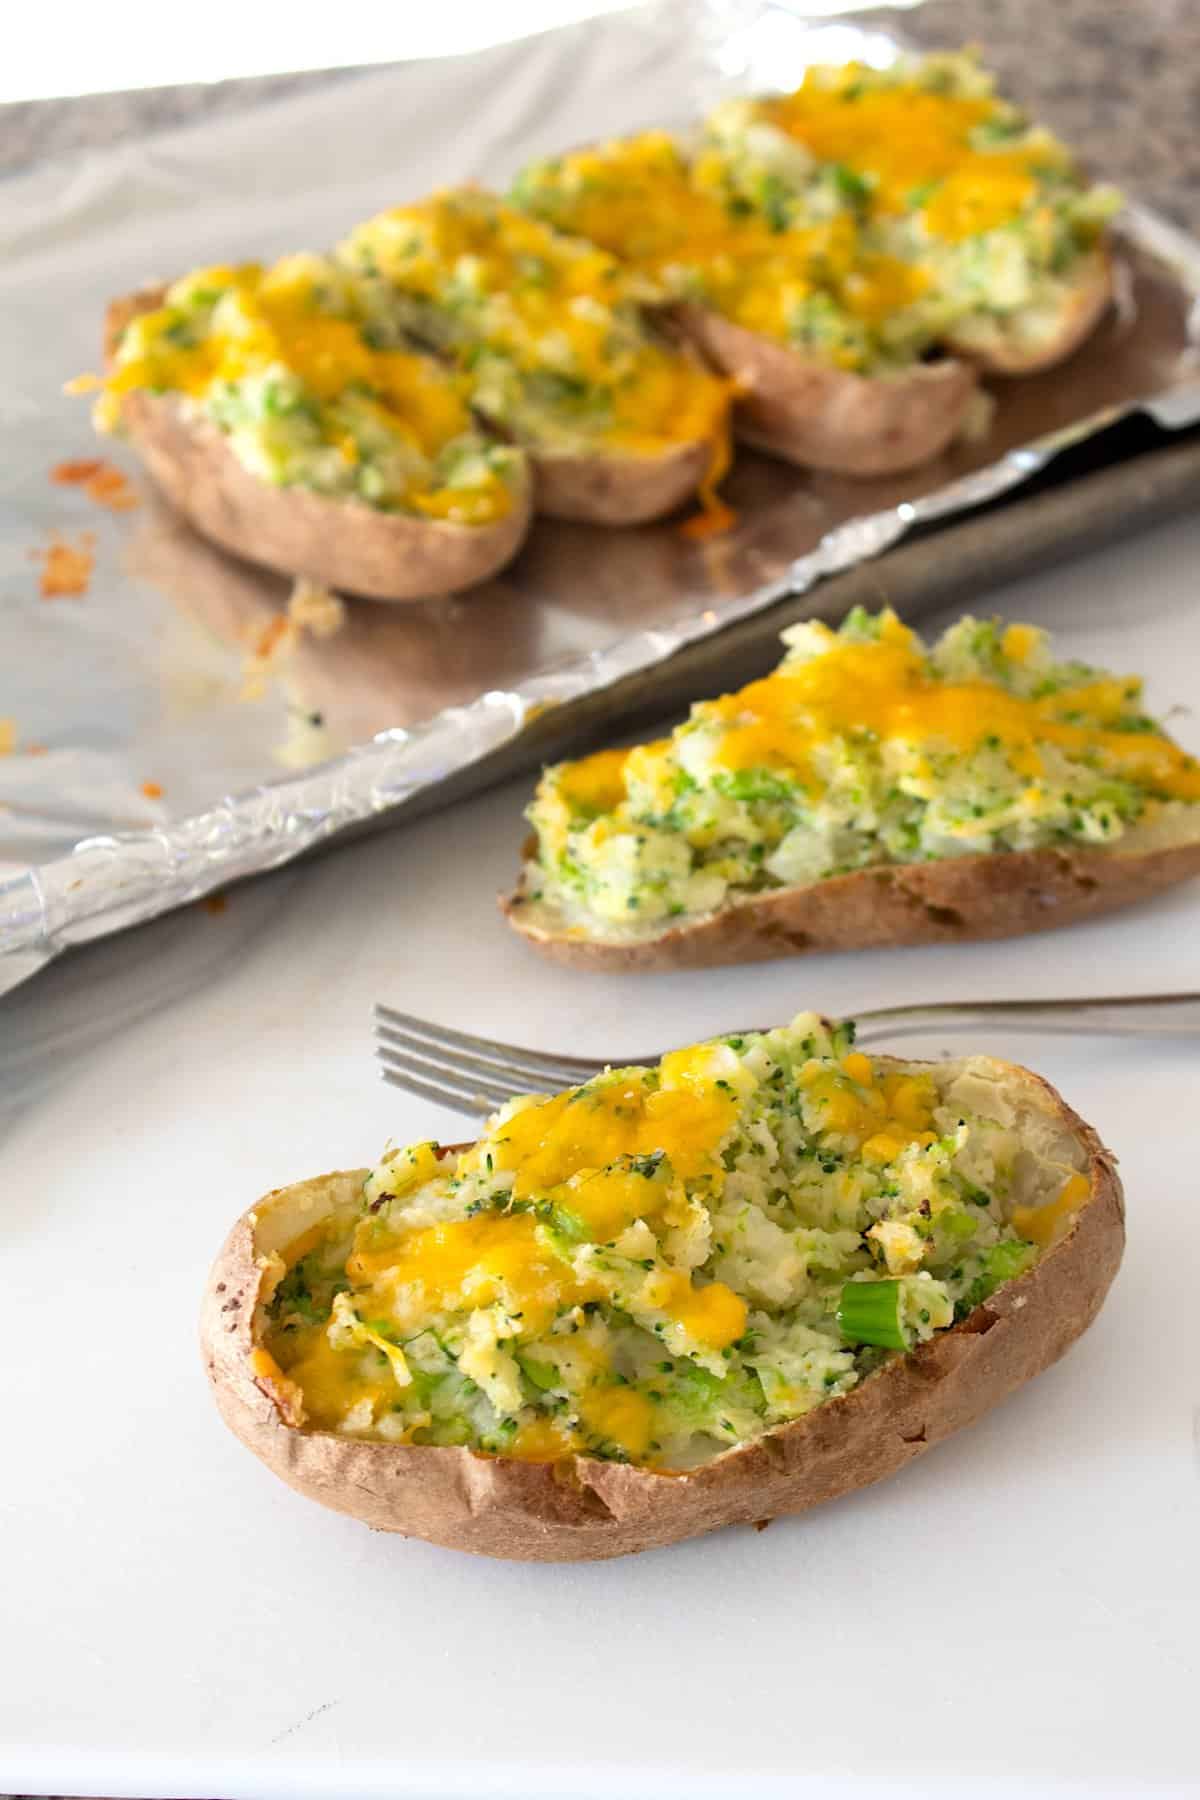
905,138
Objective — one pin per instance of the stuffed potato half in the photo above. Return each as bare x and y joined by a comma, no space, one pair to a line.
264,407
871,791
759,1275
1004,237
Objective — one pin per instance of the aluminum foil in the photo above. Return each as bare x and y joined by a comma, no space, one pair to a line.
185,720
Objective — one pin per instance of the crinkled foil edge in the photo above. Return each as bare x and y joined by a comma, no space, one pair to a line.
110,882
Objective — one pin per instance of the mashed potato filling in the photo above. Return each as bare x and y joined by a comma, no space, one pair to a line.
666,1261
862,748
286,363
548,331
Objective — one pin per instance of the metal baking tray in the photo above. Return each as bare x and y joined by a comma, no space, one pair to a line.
172,729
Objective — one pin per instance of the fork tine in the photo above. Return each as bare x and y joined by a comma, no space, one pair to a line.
513,1076
506,1059
473,1109
462,1083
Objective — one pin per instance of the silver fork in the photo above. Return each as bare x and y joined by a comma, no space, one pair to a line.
474,1075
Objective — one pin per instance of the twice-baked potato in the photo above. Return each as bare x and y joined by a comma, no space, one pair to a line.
766,1272
1002,235
868,793
621,425
263,410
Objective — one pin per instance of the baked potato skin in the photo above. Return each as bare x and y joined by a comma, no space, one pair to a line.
600,488
340,543
997,354
584,1509
821,417
958,900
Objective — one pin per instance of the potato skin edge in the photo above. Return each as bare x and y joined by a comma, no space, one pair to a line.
820,417
959,900
610,489
585,1510
1080,318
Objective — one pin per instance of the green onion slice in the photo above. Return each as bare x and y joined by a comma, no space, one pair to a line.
869,1312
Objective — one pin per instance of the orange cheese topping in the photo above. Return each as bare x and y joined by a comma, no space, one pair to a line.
884,688
713,1315
475,1262
596,782
879,1118
685,1119
280,325
278,319
904,139
621,1415
1042,1224
637,198
530,294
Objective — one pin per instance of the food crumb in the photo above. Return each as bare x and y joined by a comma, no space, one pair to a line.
313,608
215,903
152,790
100,481
274,644
37,750
66,568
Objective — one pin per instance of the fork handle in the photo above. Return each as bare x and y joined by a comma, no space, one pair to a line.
1135,1015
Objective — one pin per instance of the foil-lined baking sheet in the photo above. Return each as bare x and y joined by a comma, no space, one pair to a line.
172,720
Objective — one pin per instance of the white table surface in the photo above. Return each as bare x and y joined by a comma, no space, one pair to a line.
1017,1609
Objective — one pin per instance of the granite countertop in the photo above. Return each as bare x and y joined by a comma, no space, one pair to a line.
1121,83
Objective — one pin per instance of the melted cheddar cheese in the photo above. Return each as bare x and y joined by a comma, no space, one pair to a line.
283,360
886,691
917,148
